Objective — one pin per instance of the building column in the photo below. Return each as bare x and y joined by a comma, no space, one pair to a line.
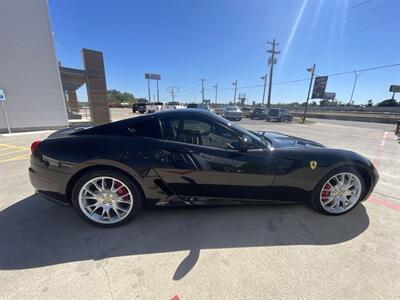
96,86
72,101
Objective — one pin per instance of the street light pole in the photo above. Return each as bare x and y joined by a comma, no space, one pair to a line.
234,94
265,85
148,88
356,74
312,70
216,92
202,89
158,93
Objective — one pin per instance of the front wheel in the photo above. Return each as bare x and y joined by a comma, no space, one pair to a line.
106,198
338,192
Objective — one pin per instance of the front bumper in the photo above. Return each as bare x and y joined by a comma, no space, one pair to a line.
374,180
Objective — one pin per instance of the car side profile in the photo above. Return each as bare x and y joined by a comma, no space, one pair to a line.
191,157
279,115
259,113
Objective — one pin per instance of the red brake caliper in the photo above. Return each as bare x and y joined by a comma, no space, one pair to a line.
121,190
326,190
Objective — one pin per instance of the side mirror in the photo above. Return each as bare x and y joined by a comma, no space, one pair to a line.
244,143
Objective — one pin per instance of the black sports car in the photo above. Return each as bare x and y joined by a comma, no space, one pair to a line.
191,157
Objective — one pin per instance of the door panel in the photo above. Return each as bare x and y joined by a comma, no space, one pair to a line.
210,173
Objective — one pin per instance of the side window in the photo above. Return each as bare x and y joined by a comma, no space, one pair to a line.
199,132
149,128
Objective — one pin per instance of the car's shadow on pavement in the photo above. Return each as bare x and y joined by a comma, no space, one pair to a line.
36,233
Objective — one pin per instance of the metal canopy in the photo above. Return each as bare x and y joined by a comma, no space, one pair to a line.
72,79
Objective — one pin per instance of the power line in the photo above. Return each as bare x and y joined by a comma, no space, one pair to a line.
362,70
307,79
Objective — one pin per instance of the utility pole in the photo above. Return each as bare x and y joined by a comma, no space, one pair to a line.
312,71
234,94
265,85
173,90
356,74
148,88
271,62
216,92
158,93
202,89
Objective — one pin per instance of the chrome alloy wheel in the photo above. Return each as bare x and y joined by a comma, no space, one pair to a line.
105,200
340,193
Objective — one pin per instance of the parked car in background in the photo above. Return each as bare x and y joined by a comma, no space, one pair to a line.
219,110
173,105
232,113
125,104
247,111
139,107
279,114
204,107
192,105
199,106
153,107
259,113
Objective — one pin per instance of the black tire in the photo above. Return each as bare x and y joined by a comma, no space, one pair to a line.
132,186
315,198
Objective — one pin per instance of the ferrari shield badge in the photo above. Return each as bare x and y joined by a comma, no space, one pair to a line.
313,164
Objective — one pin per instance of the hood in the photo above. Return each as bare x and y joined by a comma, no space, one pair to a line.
279,140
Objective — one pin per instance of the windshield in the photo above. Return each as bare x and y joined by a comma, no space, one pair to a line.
257,139
273,112
232,109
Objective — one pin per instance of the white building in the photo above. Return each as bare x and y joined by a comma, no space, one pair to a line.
29,72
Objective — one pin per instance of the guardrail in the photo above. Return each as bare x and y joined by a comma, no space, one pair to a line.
377,118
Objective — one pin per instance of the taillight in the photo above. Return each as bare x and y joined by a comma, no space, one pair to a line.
34,145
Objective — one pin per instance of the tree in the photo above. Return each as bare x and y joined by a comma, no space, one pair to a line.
117,96
388,103
326,102
369,102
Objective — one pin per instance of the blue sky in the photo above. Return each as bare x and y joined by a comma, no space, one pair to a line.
223,40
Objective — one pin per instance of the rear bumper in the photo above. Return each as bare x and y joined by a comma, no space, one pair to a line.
49,183
233,117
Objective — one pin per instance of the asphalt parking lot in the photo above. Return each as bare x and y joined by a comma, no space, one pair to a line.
255,252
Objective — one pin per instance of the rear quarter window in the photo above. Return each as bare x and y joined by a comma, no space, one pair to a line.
149,129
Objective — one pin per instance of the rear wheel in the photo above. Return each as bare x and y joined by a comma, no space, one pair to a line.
338,192
106,198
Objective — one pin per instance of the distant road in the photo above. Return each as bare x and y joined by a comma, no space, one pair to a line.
383,126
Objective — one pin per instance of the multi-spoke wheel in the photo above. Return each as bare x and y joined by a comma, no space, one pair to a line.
339,192
106,198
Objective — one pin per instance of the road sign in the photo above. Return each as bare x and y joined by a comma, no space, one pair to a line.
2,100
152,76
394,88
2,95
329,96
319,87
